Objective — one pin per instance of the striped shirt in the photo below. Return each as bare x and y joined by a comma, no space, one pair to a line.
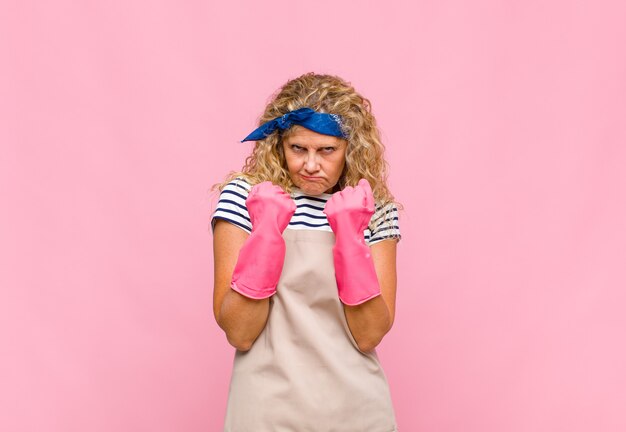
232,208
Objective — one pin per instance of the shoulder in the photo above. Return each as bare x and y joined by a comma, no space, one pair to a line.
238,185
232,204
384,223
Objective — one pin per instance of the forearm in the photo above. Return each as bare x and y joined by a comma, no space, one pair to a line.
368,322
242,319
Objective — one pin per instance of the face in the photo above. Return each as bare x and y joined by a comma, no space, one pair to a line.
315,161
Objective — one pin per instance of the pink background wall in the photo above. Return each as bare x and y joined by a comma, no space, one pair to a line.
506,136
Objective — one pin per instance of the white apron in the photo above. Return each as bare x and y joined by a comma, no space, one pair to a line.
305,373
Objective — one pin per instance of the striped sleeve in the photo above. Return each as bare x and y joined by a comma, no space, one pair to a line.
384,224
232,205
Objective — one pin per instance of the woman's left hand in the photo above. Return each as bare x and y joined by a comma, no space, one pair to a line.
349,211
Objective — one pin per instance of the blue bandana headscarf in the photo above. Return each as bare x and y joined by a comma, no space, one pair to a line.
327,124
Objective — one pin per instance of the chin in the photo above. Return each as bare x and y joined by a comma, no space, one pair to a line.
313,189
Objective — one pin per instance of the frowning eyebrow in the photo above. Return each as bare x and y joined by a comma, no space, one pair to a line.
319,146
314,145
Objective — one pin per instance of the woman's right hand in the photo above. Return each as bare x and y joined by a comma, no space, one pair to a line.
260,261
269,206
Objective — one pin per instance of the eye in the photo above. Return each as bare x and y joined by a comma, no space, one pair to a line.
329,149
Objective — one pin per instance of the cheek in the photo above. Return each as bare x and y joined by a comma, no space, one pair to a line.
292,161
340,163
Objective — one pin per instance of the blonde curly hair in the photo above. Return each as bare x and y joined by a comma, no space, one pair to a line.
327,94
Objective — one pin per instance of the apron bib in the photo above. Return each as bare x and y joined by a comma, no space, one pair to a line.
305,373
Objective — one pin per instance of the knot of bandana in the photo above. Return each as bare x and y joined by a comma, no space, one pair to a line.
327,124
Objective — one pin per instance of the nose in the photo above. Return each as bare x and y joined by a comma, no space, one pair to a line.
311,164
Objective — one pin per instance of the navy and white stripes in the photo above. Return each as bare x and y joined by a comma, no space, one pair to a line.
231,207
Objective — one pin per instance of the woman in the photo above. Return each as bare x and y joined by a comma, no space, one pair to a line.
305,273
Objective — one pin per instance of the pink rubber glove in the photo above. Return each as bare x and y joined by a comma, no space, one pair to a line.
261,258
349,212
